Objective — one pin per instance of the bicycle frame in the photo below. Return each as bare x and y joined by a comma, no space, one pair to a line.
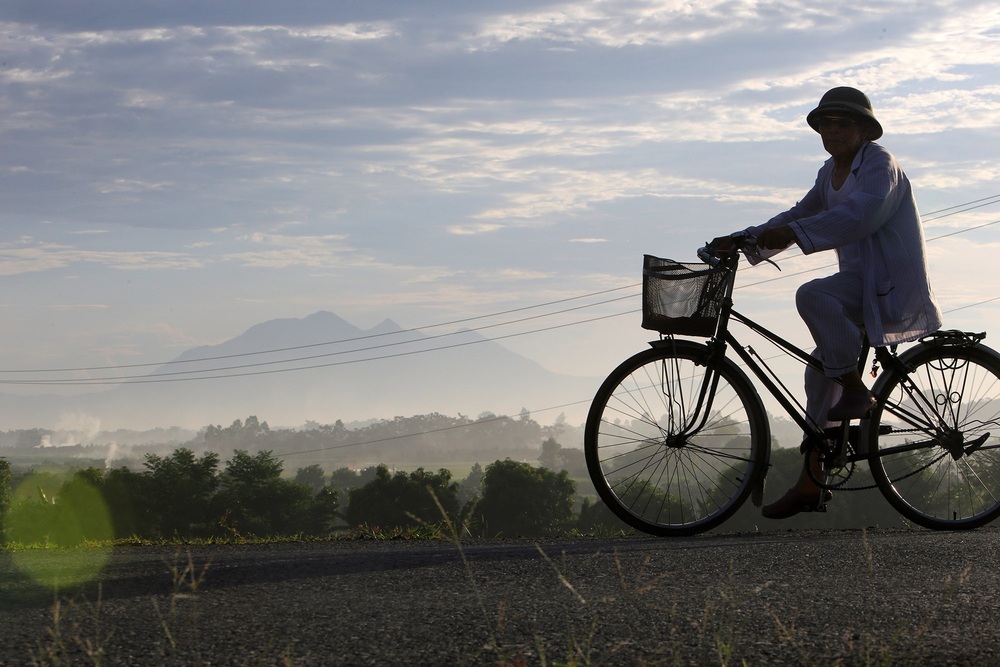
724,339
780,393
677,437
918,415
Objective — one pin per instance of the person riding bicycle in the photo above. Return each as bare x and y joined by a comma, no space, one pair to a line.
861,206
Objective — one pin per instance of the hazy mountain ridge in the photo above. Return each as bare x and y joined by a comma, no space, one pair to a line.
318,368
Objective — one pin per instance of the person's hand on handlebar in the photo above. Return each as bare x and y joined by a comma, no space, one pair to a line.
722,245
776,238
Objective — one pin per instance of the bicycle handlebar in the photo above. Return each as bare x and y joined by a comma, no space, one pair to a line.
707,254
742,241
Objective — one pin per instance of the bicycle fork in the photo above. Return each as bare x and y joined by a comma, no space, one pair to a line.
672,388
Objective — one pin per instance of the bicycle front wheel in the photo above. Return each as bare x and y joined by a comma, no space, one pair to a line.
936,435
675,447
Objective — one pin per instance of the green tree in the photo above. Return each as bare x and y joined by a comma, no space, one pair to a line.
311,477
550,454
471,488
324,511
556,457
249,434
81,510
182,487
596,518
522,500
255,500
402,500
345,479
5,476
75,513
5,496
30,518
129,497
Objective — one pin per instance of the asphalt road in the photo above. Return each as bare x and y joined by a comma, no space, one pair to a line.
844,597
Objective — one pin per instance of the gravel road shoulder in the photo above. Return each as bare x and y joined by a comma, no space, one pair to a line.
797,597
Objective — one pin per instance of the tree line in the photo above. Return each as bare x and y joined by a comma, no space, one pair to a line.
185,495
404,440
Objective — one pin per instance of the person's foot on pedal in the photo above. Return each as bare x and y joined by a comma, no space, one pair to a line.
853,404
795,501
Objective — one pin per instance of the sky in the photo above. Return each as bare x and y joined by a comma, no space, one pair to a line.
173,172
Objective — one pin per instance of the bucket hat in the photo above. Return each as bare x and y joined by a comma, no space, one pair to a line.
846,100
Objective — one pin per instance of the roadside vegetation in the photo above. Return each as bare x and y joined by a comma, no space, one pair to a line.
186,497
191,493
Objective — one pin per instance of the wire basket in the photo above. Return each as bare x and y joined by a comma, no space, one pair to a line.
679,298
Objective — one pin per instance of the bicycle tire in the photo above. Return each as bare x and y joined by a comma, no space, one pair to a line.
939,463
653,473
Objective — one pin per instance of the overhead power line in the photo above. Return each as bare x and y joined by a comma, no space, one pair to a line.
960,208
230,371
172,377
347,340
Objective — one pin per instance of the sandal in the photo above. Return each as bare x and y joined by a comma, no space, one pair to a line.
795,501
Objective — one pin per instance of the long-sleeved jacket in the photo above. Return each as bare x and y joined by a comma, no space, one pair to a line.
880,216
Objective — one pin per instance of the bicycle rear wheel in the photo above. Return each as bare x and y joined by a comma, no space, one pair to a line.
672,447
939,464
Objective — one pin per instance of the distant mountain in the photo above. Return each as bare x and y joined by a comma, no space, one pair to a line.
319,368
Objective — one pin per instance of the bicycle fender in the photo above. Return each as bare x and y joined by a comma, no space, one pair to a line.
937,340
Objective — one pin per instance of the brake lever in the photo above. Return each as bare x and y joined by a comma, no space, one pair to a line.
747,244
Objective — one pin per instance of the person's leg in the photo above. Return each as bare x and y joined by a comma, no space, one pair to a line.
831,309
821,393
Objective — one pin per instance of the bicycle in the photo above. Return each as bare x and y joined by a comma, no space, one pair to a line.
677,437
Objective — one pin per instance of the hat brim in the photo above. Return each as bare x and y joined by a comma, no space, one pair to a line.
856,110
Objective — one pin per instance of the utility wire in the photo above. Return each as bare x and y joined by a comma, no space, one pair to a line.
967,206
481,422
963,207
772,357
204,373
343,340
175,374
166,377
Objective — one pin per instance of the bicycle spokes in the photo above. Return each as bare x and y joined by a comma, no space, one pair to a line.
939,464
942,403
673,447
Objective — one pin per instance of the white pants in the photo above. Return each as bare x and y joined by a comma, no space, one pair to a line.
831,307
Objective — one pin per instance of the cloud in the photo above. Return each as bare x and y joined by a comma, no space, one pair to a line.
636,23
281,106
472,229
122,185
29,256
442,156
282,251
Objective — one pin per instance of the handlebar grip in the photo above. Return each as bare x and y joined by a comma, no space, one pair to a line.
707,254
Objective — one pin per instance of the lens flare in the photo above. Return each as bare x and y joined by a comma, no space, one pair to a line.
74,516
